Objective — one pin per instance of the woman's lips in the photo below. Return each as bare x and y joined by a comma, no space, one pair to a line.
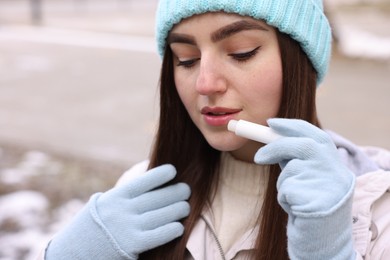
219,116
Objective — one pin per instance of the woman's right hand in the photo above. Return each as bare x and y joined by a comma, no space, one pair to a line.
126,220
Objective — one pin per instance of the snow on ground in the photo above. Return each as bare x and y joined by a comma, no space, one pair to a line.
36,201
25,215
23,218
31,165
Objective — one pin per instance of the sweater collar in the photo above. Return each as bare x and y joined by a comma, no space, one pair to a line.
243,177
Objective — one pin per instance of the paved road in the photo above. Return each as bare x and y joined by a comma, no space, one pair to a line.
89,102
93,94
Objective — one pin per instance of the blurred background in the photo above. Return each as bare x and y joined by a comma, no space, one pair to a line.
78,101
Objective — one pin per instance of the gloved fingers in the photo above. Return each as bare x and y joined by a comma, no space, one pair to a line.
307,171
162,197
291,168
298,128
160,217
289,185
306,189
299,195
160,236
148,181
285,149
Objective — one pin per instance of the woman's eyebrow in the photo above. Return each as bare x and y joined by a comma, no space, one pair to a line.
219,34
234,28
180,38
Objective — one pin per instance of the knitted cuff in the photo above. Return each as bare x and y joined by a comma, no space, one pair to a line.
322,238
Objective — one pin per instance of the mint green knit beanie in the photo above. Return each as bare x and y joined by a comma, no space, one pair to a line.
303,20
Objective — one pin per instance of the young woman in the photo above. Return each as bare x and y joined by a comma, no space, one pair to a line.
206,193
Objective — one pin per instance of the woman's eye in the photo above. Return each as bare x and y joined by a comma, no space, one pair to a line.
245,55
187,63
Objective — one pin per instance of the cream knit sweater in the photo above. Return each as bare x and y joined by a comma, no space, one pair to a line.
238,199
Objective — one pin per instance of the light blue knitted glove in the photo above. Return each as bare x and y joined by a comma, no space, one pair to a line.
314,188
126,220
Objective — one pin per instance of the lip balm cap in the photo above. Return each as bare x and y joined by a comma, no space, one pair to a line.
232,125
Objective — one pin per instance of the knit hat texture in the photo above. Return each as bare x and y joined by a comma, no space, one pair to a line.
303,20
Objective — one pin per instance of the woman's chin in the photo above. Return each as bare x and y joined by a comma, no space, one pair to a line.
228,144
241,148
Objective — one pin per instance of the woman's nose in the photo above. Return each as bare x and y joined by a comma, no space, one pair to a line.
211,78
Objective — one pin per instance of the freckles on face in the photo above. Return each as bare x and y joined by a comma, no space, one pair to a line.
261,93
226,67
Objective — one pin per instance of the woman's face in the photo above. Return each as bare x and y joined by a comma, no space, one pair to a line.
227,67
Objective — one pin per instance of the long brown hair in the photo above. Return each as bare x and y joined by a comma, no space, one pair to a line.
179,142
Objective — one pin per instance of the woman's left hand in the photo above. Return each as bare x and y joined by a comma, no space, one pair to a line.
314,188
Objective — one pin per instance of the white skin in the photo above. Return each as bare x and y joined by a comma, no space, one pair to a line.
226,67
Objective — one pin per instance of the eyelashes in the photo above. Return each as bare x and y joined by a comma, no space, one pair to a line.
239,57
188,63
246,55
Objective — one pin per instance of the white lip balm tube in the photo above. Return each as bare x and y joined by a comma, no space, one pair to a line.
256,132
